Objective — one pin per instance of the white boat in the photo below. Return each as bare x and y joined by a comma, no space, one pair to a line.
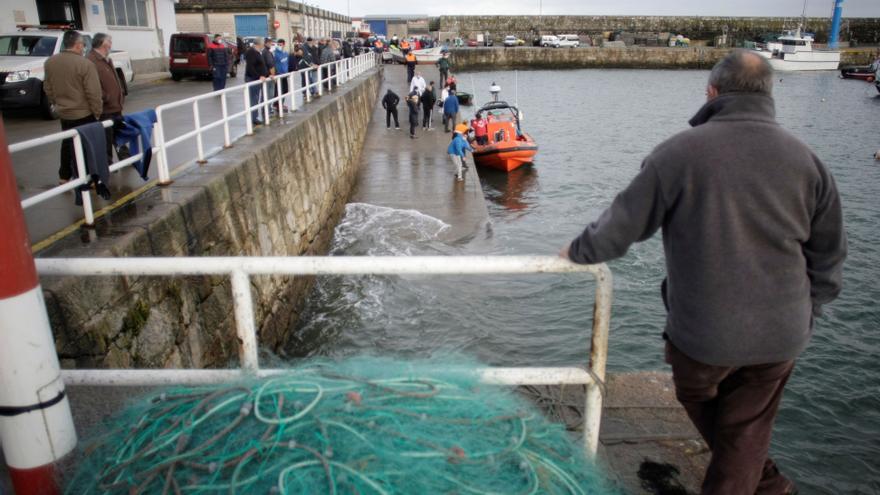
428,55
795,52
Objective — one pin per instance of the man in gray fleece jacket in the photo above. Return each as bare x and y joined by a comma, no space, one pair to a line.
754,243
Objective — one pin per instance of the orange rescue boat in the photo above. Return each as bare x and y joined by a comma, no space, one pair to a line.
508,147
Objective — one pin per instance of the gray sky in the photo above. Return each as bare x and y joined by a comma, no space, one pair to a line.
778,8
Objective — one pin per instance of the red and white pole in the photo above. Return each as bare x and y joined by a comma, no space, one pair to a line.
36,427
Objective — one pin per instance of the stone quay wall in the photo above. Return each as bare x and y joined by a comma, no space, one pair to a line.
280,192
865,30
464,59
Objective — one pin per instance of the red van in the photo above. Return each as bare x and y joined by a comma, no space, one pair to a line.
189,56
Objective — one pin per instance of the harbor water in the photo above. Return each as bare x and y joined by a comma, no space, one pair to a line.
593,128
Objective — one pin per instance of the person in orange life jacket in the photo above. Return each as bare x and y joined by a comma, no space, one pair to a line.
410,67
404,47
481,129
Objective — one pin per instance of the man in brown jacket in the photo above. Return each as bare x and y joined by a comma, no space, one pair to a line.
72,84
112,89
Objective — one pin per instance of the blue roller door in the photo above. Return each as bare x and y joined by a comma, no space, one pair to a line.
251,25
379,27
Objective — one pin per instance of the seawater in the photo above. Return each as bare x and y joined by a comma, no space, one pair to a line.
594,127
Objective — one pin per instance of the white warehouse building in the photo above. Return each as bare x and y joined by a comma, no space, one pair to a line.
143,28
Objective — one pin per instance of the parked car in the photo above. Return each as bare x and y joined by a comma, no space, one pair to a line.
472,43
22,55
510,41
189,56
569,40
549,40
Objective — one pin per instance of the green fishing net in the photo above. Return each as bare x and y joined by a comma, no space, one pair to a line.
364,425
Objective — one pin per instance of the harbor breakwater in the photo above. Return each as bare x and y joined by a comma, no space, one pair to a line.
595,57
279,192
862,30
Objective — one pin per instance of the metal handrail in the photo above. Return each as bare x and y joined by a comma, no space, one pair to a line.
240,269
344,70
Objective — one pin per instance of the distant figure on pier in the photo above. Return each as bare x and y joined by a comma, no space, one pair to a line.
389,103
412,103
450,111
443,64
282,66
410,67
417,84
754,241
219,61
451,83
429,98
255,69
457,150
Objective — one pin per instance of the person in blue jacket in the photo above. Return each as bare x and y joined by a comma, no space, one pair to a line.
457,150
450,111
282,61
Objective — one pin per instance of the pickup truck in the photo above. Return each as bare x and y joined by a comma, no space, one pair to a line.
22,55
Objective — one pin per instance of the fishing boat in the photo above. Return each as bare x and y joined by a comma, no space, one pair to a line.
863,72
794,51
427,56
465,99
508,147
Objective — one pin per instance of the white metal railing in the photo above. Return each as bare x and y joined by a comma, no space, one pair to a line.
338,72
240,270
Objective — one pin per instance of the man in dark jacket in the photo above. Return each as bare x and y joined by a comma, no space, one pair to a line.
219,62
112,87
412,103
269,59
255,69
429,98
754,243
389,103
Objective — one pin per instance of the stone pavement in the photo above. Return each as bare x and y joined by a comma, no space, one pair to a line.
399,172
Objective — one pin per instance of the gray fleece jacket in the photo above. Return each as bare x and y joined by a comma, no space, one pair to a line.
752,231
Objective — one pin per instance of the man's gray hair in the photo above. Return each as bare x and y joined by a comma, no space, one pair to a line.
99,39
259,41
70,39
742,71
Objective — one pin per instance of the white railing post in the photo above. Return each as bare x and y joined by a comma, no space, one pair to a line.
244,320
85,193
598,359
162,158
279,97
227,142
320,82
291,85
200,146
307,94
265,104
248,116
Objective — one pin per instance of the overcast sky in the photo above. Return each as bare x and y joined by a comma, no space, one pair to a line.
778,8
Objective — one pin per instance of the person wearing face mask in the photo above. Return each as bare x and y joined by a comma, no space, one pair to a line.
73,86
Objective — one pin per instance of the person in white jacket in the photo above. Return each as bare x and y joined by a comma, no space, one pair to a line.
417,84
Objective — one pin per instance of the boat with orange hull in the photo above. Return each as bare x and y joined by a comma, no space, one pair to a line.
508,147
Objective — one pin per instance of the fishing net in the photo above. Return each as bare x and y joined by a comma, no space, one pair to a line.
365,425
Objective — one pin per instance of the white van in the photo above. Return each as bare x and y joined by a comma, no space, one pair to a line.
571,40
549,40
